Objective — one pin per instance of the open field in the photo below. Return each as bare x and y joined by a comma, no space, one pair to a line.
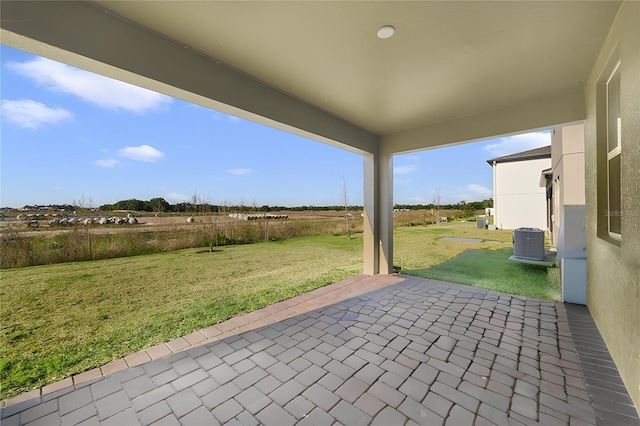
159,222
46,244
169,221
22,247
63,319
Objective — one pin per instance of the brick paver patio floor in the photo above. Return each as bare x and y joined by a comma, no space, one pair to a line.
370,350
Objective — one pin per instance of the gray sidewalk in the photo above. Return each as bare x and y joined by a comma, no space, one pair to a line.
415,352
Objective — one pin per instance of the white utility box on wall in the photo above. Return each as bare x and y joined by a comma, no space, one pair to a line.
572,255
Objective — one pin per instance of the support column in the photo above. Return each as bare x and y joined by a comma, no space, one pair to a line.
378,213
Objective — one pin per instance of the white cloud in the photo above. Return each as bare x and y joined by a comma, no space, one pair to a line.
402,170
110,162
401,181
93,88
218,116
417,199
239,171
31,114
518,143
479,190
141,153
176,197
471,192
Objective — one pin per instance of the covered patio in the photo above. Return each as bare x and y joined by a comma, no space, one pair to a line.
453,72
387,350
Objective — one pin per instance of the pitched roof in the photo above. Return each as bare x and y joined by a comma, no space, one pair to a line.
532,154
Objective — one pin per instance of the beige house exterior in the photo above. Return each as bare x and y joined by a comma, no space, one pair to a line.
564,181
518,199
453,72
613,260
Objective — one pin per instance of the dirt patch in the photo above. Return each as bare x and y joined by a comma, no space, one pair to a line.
146,223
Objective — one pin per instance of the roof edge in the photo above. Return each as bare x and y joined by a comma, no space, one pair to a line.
532,154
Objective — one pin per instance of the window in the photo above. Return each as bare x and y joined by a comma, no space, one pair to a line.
614,139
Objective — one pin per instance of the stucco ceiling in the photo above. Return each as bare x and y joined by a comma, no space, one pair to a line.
453,71
446,59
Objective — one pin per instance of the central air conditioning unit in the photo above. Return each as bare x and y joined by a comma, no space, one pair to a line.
528,243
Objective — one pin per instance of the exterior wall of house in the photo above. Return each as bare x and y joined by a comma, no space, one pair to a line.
567,158
613,291
519,199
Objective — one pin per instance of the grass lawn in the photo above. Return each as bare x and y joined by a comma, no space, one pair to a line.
492,269
63,319
420,247
420,252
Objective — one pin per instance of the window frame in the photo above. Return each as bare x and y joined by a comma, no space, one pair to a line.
614,210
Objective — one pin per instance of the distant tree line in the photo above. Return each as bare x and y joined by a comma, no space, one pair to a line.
462,205
160,205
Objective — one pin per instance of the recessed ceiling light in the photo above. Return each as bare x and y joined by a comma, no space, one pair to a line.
386,31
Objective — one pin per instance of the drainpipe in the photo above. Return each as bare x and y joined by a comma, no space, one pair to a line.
495,198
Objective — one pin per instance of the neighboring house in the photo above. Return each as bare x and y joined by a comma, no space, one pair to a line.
518,199
564,180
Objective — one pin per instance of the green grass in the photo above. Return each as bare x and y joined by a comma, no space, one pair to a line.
420,252
492,269
59,320
420,247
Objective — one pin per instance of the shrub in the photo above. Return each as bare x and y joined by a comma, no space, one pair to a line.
80,244
16,249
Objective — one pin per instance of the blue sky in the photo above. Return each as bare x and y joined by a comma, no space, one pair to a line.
68,135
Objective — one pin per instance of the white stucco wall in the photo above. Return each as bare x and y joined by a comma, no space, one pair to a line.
519,199
567,156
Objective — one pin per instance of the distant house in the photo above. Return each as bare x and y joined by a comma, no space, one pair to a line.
518,199
564,180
